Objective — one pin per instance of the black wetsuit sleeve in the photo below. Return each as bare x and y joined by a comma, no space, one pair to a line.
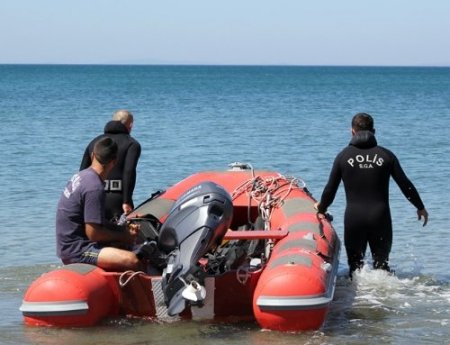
86,160
129,173
329,192
406,186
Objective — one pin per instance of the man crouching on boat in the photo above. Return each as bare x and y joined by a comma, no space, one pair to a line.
82,233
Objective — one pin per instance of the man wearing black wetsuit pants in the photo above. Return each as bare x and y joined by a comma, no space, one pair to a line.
365,168
120,182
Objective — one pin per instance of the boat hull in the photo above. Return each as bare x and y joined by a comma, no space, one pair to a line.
290,289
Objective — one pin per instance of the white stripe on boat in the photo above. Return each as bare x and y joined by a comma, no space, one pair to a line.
292,303
76,307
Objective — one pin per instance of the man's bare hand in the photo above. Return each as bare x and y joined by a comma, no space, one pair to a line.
423,214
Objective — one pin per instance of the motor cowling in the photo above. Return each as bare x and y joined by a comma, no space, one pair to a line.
195,225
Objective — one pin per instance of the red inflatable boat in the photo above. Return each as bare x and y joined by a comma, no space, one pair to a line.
275,261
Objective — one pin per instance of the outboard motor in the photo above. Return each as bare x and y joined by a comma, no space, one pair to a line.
195,225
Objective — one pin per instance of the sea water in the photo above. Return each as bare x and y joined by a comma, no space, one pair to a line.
189,118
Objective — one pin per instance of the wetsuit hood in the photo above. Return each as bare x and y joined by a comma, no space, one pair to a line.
115,127
363,139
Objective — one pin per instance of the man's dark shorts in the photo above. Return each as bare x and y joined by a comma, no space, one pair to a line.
89,256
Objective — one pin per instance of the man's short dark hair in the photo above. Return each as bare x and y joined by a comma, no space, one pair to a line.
105,150
363,122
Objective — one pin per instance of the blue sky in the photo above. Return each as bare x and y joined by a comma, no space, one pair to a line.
255,32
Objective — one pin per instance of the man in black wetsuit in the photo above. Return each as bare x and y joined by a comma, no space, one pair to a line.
365,168
120,182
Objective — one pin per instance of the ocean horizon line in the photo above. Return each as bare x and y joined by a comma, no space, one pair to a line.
218,65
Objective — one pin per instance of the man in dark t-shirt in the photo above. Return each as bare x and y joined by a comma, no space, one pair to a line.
82,233
365,169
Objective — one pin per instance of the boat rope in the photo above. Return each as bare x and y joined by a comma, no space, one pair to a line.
132,274
269,193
